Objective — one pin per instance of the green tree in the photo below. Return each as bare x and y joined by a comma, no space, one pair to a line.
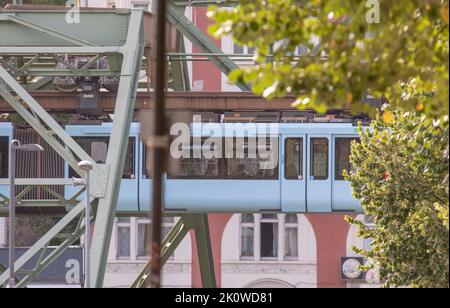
400,167
400,174
404,57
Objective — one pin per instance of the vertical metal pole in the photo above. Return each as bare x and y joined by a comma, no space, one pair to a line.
158,147
12,214
87,166
87,244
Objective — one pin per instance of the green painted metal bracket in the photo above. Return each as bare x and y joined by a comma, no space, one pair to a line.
201,40
187,222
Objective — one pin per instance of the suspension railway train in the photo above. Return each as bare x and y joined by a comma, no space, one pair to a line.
308,176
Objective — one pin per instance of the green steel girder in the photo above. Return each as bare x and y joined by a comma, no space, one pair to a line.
198,223
49,29
133,52
39,65
201,40
44,241
33,34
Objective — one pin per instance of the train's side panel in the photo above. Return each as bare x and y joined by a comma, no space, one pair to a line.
222,195
128,194
6,133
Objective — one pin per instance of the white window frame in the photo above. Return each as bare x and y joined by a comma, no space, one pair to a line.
247,225
140,3
123,225
286,226
282,225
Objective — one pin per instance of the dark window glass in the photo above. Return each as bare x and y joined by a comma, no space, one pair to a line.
251,50
261,167
198,168
343,150
319,158
147,163
294,159
238,49
269,240
97,148
4,153
248,218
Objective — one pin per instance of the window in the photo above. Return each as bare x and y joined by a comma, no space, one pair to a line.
269,236
192,168
123,238
4,157
243,50
252,168
260,237
294,159
291,236
247,236
258,162
144,234
97,148
319,158
342,155
146,5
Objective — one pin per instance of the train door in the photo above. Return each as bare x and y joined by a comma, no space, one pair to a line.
319,173
293,181
342,199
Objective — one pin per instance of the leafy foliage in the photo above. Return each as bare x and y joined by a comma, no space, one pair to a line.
400,174
404,57
401,165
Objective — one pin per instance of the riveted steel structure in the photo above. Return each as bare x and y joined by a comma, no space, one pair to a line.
32,41
25,37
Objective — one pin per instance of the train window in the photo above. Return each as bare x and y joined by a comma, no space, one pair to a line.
198,168
342,156
259,168
4,156
128,169
293,159
146,161
319,158
97,148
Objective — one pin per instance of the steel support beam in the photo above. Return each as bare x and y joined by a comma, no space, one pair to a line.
126,98
201,40
170,243
186,223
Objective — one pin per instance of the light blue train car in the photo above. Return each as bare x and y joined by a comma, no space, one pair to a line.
301,170
307,176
